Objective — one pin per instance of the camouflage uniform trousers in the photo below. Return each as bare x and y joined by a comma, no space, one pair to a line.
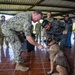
2,39
13,39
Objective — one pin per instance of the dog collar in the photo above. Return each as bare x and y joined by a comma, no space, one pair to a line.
52,44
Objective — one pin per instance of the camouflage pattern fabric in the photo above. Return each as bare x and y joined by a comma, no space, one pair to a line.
57,32
49,19
1,35
20,22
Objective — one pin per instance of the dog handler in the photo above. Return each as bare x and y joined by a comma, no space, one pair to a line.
21,22
58,30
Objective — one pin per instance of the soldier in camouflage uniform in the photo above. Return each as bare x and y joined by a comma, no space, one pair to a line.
21,22
58,30
49,18
1,34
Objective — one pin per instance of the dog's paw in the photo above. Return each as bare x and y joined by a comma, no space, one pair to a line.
49,73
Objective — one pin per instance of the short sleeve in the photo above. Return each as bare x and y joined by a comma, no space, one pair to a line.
27,29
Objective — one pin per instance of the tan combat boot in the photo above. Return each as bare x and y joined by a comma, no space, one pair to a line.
14,63
21,67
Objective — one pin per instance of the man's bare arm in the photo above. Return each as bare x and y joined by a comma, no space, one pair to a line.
32,41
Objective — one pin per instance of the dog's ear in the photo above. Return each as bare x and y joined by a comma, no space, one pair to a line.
48,39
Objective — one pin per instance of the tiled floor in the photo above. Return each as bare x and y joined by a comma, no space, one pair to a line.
37,61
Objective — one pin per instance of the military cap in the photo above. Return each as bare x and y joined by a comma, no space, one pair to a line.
44,23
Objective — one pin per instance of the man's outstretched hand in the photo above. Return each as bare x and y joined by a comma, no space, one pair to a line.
40,46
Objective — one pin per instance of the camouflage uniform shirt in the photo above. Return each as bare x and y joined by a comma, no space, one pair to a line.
20,22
